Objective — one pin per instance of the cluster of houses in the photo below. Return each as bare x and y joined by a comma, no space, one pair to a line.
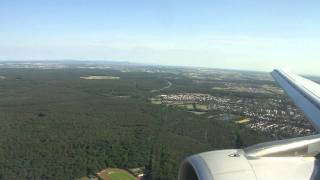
272,115
188,98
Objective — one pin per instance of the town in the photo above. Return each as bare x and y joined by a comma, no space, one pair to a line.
276,115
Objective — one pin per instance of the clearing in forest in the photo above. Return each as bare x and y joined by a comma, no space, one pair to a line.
100,77
115,174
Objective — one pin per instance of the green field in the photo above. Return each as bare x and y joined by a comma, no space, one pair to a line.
203,107
186,106
155,101
100,78
118,174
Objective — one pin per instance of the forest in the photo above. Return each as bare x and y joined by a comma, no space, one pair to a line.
55,125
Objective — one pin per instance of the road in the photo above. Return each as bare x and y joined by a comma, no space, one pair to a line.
169,84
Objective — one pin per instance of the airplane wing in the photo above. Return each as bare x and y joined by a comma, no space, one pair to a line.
294,159
304,92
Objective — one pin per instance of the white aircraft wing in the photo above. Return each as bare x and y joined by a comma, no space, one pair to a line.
294,159
304,92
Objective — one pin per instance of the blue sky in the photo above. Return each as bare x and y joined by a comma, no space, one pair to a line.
237,34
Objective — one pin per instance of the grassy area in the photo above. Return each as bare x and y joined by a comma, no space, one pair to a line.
99,77
119,174
186,106
203,107
197,112
242,121
155,101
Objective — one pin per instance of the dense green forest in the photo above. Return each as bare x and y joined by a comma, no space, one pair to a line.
54,125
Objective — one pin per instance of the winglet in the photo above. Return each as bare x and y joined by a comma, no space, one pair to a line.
305,94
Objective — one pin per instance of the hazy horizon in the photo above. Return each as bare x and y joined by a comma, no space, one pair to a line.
242,35
147,64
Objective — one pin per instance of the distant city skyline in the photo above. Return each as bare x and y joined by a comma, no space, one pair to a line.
244,34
